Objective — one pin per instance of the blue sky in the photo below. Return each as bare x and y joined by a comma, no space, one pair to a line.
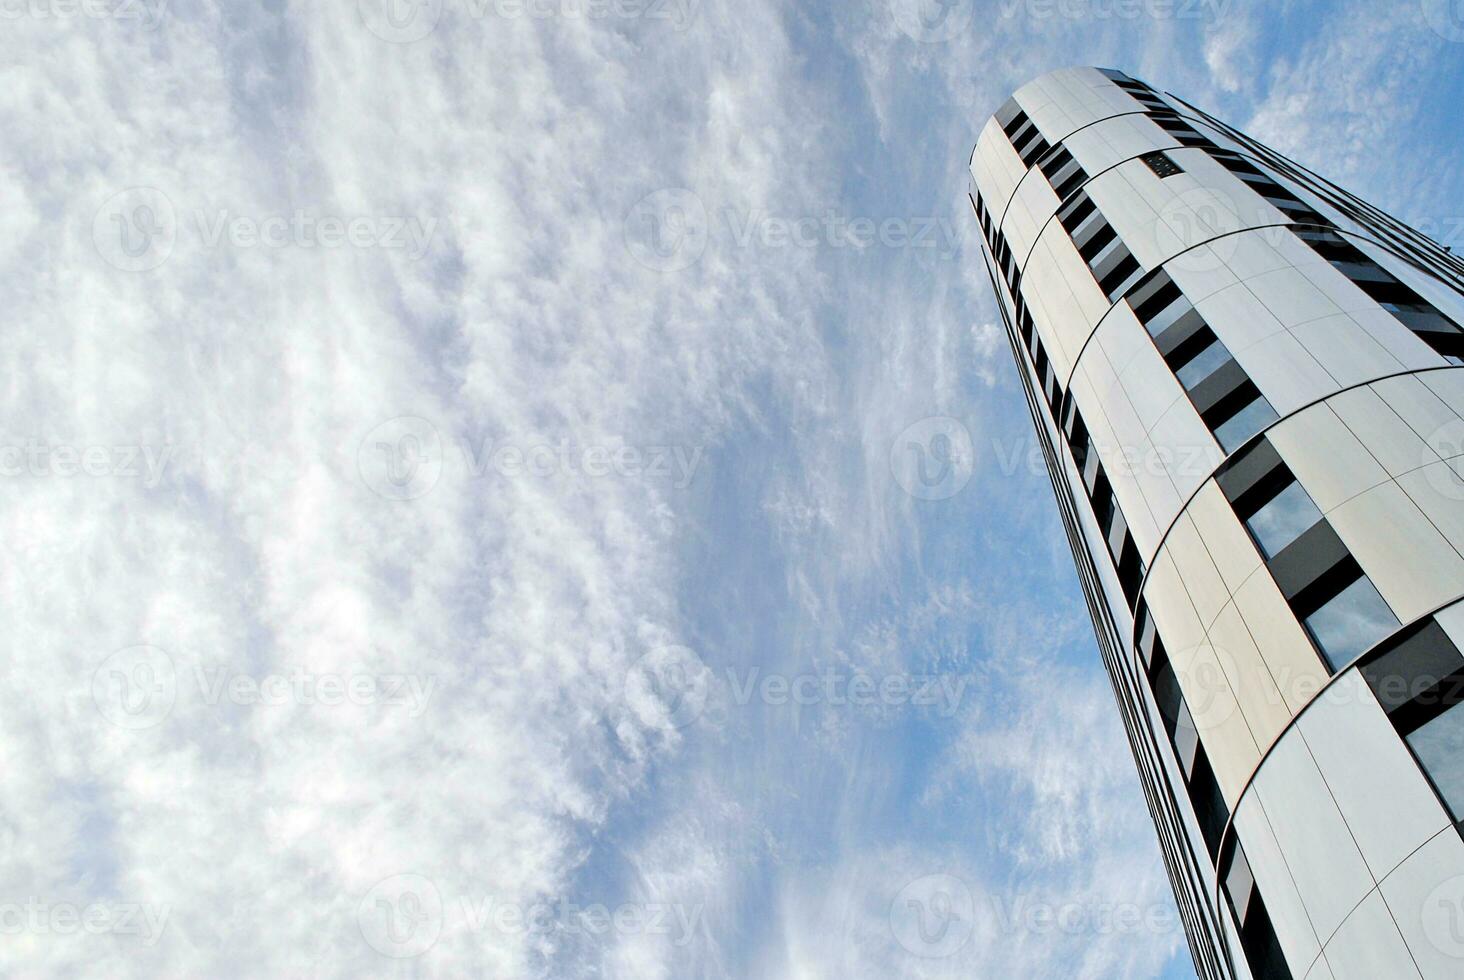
520,367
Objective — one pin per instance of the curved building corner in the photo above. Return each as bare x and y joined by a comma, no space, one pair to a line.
1249,388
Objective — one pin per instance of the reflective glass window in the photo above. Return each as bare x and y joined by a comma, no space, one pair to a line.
1289,515
1351,623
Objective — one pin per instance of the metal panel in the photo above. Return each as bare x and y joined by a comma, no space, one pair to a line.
1251,253
1161,500
1449,386
1203,272
1409,561
1328,459
1183,439
1112,141
1230,547
1033,204
1403,344
1072,97
1294,929
1330,874
1170,605
1292,659
1238,318
1423,411
1452,620
1206,587
1438,491
997,168
1369,946
1320,971
1348,352
1388,804
1132,213
1207,676
1340,290
1146,379
1286,373
1254,691
1426,897
1291,296
1059,279
1381,430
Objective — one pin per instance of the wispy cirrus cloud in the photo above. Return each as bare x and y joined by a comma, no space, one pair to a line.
368,660
286,833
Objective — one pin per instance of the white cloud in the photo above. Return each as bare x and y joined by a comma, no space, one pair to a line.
263,366
1347,90
1230,56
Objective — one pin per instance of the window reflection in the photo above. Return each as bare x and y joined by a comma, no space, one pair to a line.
1288,516
1244,424
1440,747
1202,365
1350,623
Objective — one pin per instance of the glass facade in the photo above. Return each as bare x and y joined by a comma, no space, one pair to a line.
1283,519
1351,622
1440,748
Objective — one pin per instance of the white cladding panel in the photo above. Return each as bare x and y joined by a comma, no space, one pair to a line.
1294,930
1388,805
1330,874
1368,945
1426,898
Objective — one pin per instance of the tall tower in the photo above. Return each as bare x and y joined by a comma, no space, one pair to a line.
1249,387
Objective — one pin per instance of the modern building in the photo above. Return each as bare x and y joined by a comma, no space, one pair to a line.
1249,387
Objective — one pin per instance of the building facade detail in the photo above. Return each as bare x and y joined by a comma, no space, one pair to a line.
1249,388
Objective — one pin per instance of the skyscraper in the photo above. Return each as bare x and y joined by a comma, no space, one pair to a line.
1249,388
